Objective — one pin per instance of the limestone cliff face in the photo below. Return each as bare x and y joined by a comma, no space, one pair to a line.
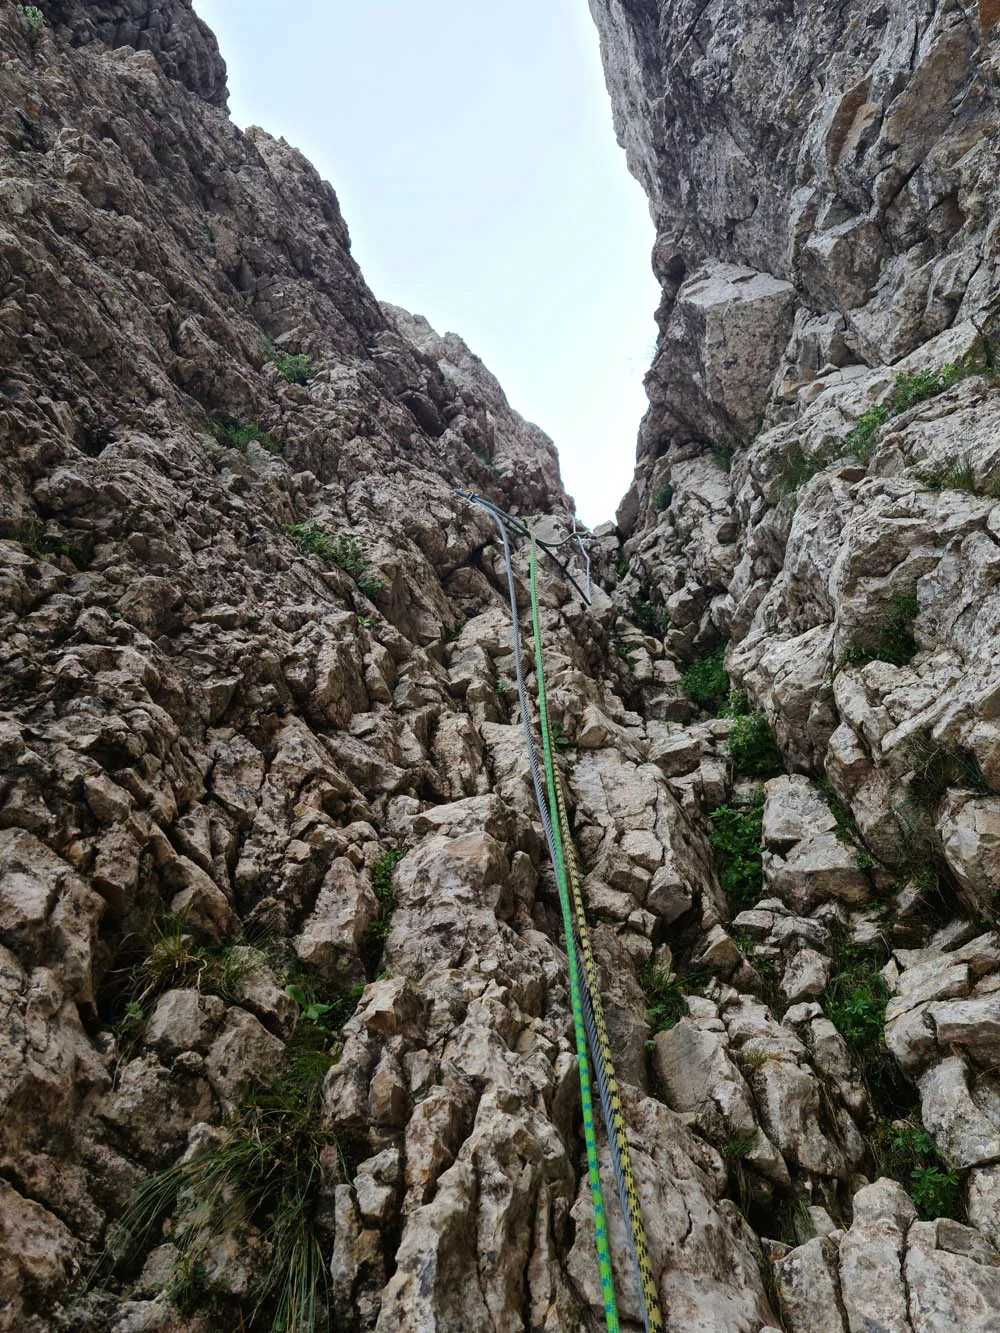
284,992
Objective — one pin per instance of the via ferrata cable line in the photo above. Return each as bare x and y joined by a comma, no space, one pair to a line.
607,1082
577,993
588,1013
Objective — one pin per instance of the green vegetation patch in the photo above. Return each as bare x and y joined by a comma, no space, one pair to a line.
705,682
647,617
751,744
907,1153
381,878
856,994
662,496
266,1173
296,367
33,14
908,390
795,467
956,474
892,640
234,435
665,994
335,549
736,841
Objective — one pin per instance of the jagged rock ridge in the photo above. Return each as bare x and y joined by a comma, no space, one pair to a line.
270,868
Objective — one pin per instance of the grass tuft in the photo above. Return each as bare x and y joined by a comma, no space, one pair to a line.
892,640
345,553
908,390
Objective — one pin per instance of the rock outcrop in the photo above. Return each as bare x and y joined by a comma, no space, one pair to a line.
287,1035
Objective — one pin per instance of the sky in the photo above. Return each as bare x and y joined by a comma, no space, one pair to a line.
471,146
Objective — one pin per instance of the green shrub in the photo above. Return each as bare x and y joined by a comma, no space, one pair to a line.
935,1192
892,640
907,1153
752,746
859,1012
736,841
738,1146
856,993
647,617
705,682
860,440
381,878
296,367
234,435
627,653
33,14
737,704
662,497
335,549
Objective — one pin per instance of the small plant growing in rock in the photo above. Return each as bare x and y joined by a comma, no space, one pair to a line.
381,878
752,746
33,14
954,475
908,390
736,841
234,435
935,1191
626,652
662,496
312,538
647,617
906,1152
892,641
936,768
664,991
705,682
847,826
723,453
296,367
267,1173
795,467
559,739
752,1057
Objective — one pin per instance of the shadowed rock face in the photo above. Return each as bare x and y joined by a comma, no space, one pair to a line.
271,872
840,150
183,45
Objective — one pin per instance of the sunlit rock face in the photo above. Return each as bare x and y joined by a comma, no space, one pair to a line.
281,954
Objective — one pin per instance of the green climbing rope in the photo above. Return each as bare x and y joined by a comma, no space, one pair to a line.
575,923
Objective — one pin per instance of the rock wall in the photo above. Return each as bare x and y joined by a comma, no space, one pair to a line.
287,1036
815,503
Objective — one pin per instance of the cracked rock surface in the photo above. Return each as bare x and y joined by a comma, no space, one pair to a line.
274,899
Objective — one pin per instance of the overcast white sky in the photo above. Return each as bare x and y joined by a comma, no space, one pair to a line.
470,144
